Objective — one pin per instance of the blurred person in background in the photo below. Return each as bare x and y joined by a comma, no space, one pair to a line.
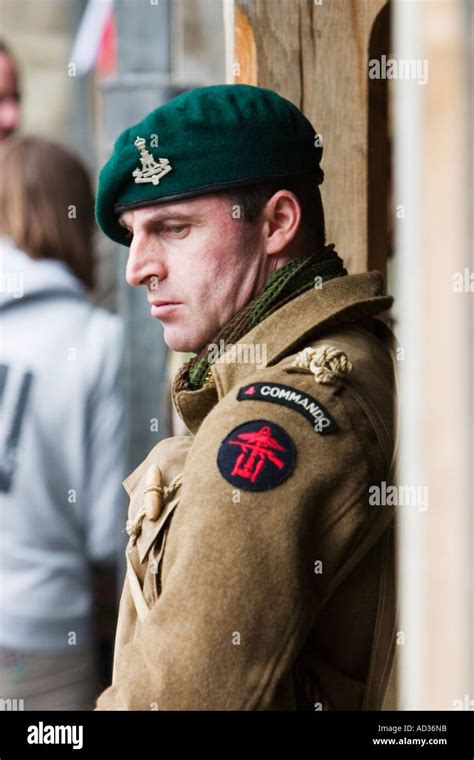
9,93
61,433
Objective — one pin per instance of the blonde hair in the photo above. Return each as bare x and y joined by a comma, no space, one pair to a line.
47,203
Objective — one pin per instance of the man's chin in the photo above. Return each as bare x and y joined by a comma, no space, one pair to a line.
176,341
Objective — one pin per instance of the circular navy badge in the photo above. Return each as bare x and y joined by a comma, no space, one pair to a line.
256,456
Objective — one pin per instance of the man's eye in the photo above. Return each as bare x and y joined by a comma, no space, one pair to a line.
176,229
128,234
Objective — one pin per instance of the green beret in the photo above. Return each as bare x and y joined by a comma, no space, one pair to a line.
205,140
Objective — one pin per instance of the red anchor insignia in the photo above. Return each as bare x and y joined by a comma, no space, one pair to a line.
256,449
266,458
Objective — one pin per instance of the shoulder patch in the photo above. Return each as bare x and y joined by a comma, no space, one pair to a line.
256,456
277,393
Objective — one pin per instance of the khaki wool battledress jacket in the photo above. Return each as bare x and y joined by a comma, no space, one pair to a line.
266,581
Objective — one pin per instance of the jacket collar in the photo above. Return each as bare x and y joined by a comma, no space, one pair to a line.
348,299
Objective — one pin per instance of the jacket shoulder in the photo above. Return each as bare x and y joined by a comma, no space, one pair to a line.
340,378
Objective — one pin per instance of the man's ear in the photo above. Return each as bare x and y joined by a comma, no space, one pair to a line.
282,218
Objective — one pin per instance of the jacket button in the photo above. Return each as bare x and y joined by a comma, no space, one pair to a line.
153,492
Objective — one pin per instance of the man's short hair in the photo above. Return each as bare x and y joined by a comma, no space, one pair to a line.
252,200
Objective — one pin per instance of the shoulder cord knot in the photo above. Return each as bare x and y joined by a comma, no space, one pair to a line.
134,527
325,362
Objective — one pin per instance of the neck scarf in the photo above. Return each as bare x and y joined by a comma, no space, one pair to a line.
288,282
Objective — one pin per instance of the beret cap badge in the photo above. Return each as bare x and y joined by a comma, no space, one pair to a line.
150,170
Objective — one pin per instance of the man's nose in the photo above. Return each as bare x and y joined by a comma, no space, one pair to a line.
143,265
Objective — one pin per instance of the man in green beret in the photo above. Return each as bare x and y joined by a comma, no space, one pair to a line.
260,563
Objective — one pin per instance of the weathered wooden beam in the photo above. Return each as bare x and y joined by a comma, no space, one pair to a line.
317,55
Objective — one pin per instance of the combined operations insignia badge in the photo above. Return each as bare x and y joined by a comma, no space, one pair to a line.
150,171
256,456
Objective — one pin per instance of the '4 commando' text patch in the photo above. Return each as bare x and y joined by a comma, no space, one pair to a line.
277,393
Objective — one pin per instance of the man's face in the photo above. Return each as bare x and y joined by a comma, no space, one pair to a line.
9,97
198,263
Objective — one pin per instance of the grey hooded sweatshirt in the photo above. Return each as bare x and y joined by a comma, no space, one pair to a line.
61,452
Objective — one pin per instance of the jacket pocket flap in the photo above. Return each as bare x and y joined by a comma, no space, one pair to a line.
150,530
170,456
